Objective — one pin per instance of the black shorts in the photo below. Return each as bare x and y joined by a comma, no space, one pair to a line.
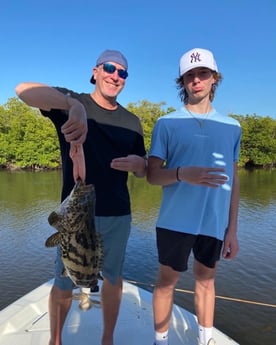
174,249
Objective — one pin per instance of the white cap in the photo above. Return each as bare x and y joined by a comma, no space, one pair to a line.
197,57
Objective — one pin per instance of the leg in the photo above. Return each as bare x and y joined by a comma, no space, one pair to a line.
59,306
163,297
111,299
204,294
114,232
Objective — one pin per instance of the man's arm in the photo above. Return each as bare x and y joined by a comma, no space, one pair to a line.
42,96
46,98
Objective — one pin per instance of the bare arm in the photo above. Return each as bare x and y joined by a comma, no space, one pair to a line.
41,96
45,97
204,176
231,245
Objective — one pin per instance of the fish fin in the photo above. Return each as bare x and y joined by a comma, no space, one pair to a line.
53,240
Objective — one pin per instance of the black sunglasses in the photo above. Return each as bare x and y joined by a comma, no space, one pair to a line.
109,68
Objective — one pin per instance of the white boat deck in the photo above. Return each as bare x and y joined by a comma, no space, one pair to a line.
26,322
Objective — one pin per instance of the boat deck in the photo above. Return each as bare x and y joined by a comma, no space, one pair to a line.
26,321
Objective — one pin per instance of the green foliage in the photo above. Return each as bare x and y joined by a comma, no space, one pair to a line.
258,144
29,140
148,113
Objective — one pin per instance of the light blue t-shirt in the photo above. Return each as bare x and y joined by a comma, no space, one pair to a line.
179,140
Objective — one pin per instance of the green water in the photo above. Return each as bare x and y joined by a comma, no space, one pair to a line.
27,198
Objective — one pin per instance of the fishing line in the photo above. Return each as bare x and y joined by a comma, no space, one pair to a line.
233,299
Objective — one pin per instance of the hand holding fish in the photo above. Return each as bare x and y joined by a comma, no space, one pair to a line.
75,128
77,156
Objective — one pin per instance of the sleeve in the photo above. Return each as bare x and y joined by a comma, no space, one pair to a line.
159,140
59,116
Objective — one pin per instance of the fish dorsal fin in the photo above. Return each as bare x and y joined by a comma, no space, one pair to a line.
54,240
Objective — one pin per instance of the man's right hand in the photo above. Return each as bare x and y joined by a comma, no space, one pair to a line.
75,128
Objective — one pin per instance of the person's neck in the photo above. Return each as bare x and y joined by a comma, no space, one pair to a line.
199,108
106,103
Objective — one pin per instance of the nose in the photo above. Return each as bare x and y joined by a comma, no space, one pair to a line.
196,78
115,74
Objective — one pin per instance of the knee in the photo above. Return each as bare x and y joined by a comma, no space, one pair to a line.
167,282
60,296
205,284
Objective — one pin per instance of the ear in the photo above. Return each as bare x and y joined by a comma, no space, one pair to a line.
95,72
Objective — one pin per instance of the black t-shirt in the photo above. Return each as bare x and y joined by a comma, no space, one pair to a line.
111,134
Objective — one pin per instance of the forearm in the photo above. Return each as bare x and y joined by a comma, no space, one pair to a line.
161,176
142,170
43,96
234,204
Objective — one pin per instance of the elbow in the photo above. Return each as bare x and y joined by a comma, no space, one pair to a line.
33,94
19,89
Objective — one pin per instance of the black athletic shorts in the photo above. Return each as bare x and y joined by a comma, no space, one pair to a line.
174,249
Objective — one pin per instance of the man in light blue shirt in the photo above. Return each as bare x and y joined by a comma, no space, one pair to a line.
193,156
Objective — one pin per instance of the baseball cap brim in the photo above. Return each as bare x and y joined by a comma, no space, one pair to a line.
197,57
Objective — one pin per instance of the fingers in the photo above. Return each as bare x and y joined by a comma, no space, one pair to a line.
217,179
78,140
75,128
128,163
74,134
229,254
78,173
230,251
77,156
226,253
122,164
210,179
214,169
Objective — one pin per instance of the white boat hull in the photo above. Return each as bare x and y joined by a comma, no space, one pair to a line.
26,321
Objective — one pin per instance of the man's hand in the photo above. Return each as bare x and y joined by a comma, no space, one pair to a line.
77,156
133,163
75,128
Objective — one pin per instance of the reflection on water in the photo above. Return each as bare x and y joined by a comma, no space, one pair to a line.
26,199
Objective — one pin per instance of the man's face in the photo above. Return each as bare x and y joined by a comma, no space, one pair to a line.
110,79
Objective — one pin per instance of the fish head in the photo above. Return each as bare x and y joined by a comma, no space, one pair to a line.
71,215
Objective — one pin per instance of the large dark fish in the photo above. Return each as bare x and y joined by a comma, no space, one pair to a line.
81,246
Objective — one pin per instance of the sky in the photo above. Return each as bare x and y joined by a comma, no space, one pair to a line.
57,42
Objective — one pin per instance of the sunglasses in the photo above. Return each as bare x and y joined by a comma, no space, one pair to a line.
109,68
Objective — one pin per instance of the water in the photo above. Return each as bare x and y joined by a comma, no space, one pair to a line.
26,199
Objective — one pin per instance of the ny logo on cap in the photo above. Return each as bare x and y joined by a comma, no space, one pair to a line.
195,57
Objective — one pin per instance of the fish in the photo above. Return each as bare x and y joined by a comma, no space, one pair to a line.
80,243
